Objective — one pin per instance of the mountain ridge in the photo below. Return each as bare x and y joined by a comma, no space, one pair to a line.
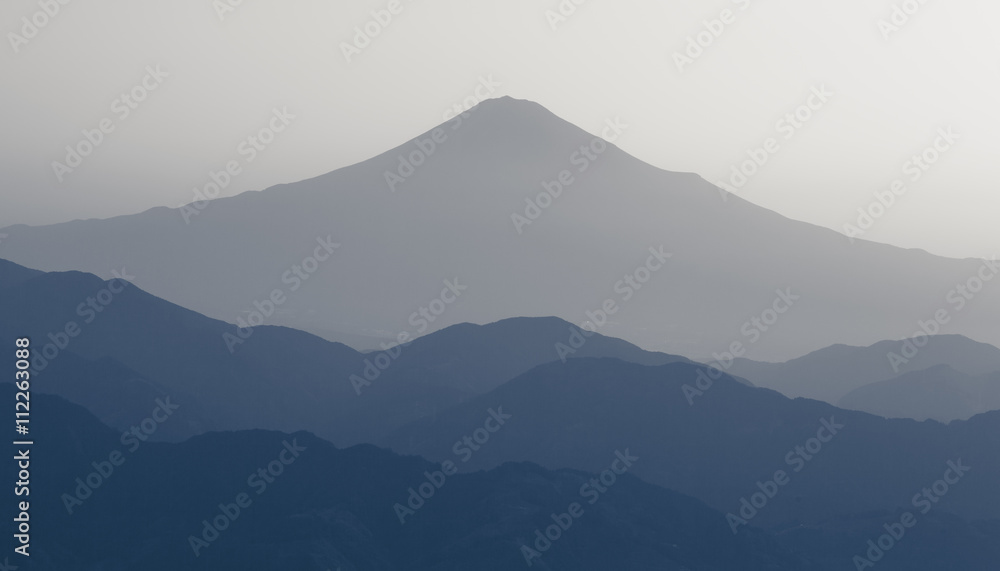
462,202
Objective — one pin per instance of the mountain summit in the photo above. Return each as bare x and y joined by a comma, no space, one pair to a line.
508,210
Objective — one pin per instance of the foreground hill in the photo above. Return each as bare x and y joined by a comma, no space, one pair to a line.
718,445
323,508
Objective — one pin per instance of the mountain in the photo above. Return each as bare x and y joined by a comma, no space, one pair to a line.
940,393
203,504
117,349
478,358
457,225
178,351
938,540
119,396
12,274
717,446
831,373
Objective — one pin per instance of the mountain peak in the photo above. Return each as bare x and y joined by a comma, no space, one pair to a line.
517,121
512,103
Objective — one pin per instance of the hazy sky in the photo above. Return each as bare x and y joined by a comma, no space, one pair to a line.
888,95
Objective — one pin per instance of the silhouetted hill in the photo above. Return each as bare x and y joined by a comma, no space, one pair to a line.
716,449
488,350
130,348
118,396
12,274
334,509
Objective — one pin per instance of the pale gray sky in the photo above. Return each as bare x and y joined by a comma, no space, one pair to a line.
226,75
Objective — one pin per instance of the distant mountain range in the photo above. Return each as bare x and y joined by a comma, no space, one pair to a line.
718,441
511,206
831,373
939,393
139,348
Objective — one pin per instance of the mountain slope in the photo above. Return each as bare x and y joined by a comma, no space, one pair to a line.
716,449
461,203
478,358
832,372
12,274
940,393
130,348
